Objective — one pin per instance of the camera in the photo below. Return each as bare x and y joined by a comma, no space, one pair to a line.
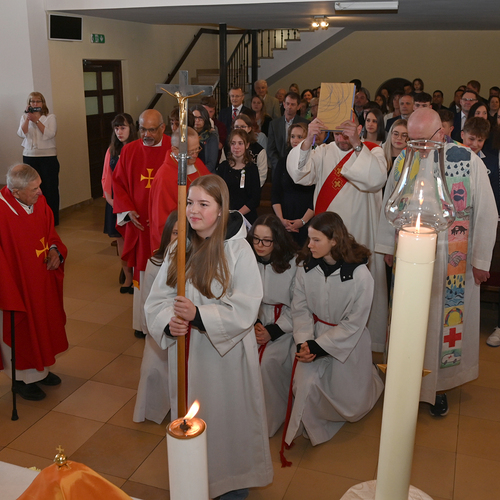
33,110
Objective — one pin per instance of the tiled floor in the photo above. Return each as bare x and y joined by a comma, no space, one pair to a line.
90,414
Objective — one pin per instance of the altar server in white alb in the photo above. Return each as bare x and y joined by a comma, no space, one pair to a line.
275,252
153,392
462,263
349,176
335,380
223,296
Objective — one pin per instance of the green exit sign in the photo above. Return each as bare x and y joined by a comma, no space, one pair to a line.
95,38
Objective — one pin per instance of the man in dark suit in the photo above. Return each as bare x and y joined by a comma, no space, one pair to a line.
468,99
227,115
437,100
278,128
406,106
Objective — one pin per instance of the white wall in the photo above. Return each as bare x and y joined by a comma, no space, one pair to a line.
443,59
24,67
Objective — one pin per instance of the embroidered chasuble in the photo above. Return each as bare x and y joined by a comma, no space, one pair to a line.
452,346
28,288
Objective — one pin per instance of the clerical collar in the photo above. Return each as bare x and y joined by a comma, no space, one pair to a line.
346,268
27,208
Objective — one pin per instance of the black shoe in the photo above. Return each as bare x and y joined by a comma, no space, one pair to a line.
139,334
51,379
30,392
440,407
127,289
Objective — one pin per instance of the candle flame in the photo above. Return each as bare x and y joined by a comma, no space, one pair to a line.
192,411
418,222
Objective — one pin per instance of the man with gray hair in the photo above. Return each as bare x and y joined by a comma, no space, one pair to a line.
31,266
272,104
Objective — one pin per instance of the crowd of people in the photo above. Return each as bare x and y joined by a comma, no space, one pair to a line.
282,310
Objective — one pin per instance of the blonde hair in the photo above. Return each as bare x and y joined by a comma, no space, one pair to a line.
205,258
38,95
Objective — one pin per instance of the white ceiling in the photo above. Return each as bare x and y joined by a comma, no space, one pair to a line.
412,15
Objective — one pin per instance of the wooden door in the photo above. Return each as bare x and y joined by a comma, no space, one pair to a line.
103,101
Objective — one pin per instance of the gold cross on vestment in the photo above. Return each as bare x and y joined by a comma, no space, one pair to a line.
149,179
45,249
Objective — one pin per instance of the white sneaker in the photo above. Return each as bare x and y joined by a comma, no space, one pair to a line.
494,338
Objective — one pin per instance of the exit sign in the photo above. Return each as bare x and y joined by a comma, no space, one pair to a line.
95,38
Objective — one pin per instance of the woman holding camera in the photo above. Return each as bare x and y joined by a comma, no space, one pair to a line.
38,129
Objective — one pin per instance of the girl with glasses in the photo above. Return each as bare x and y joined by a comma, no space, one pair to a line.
274,250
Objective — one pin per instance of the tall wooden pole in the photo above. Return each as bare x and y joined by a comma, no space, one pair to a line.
180,92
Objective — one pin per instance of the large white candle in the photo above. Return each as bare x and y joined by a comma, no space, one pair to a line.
187,459
410,312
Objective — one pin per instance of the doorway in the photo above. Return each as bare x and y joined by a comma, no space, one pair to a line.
103,101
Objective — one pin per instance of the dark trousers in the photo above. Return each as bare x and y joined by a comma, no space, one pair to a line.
48,170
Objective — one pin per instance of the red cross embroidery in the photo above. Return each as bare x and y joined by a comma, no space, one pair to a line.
453,336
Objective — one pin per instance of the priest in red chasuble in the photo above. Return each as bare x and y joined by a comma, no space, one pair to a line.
163,197
349,175
32,270
132,179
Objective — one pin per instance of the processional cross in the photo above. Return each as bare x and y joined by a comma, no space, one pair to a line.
182,93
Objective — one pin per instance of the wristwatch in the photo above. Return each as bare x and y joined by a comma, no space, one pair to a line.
358,148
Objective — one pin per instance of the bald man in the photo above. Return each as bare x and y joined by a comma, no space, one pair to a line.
132,180
163,197
462,263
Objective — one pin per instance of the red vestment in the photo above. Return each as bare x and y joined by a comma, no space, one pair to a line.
132,180
36,295
163,197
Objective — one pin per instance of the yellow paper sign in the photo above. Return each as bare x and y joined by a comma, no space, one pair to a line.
335,104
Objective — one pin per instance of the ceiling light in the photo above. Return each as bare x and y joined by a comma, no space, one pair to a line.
320,22
367,6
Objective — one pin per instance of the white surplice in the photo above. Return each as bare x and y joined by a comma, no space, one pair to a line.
358,203
343,386
276,363
223,370
481,239
153,393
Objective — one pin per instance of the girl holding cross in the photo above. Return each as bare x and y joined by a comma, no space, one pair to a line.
221,303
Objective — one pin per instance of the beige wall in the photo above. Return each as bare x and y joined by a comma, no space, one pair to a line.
148,54
443,59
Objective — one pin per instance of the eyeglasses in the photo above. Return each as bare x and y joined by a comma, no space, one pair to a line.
143,130
35,102
199,118
265,243
468,99
430,139
244,127
403,135
192,152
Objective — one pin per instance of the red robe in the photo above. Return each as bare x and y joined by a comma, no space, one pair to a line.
132,180
35,294
163,197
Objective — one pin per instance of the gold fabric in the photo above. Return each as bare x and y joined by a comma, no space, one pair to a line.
73,481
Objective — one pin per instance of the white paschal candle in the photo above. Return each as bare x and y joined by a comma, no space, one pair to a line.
415,257
187,460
